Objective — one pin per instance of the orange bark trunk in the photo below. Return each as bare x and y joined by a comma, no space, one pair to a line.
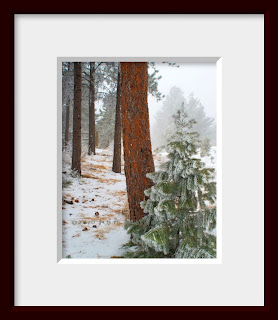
136,134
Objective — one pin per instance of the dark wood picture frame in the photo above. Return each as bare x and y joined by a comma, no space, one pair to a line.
8,113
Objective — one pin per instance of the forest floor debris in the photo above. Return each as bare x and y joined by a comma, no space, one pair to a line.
94,208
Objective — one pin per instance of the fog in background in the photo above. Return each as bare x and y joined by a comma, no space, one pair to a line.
198,79
191,84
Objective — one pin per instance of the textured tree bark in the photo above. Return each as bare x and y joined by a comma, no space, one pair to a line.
67,123
92,121
136,134
118,128
76,142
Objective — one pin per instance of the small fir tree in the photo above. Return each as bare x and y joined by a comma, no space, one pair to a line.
180,207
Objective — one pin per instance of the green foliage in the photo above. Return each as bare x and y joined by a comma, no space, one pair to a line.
205,147
105,79
106,120
107,93
66,183
158,238
153,79
180,206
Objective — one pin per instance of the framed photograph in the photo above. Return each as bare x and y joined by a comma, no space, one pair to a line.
139,161
140,185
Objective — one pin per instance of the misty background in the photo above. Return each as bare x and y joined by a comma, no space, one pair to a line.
188,81
196,78
171,86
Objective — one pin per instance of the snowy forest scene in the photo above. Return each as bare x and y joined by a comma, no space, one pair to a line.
139,160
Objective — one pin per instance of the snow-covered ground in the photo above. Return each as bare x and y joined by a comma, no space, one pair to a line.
95,206
93,223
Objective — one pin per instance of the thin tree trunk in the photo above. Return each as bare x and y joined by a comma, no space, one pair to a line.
76,142
92,122
67,124
136,134
118,128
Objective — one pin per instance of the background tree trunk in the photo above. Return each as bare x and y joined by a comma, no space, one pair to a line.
136,134
67,123
92,122
118,128
76,142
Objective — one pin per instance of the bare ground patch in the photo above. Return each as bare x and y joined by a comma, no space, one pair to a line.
88,176
100,234
119,193
108,181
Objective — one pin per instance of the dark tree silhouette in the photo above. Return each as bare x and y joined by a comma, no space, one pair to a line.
92,122
67,123
76,142
118,129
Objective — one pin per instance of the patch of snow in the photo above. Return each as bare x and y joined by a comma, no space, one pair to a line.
93,223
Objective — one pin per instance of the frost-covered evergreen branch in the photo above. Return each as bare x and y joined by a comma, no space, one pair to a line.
180,207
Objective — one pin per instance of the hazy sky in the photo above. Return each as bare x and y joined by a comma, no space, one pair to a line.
199,78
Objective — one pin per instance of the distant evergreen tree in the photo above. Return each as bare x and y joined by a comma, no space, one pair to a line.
104,90
180,206
106,120
107,93
205,126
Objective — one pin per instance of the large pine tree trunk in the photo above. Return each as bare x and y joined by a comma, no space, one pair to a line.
67,124
76,142
92,122
118,128
136,134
